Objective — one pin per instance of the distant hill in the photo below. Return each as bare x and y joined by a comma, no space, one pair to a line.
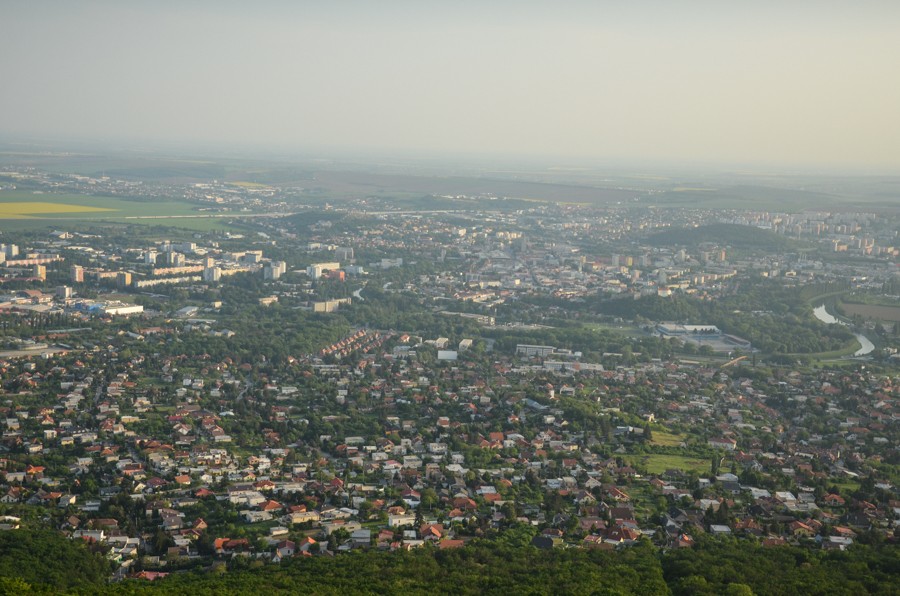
733,235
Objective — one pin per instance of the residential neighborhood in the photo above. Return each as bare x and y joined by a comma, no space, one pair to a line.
343,380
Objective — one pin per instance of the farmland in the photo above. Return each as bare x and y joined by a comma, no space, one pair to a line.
67,205
24,209
872,311
30,208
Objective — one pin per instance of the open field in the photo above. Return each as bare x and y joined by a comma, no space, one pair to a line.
128,165
194,224
784,195
197,224
622,328
80,206
19,209
27,210
872,298
872,311
253,185
847,486
361,184
657,464
666,439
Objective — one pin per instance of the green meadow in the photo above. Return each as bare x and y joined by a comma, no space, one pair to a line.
658,463
28,210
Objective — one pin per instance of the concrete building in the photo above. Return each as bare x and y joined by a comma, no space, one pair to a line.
329,305
275,270
316,270
530,350
121,309
212,274
252,256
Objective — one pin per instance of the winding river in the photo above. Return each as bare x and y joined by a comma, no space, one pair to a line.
826,317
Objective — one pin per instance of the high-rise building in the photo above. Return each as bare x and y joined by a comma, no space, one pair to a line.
316,270
252,256
275,270
77,274
40,272
212,274
175,259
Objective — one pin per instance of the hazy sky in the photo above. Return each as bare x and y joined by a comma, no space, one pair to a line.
788,82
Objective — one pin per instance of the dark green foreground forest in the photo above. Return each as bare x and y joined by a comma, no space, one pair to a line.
47,563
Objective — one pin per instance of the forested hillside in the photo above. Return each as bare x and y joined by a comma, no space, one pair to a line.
505,566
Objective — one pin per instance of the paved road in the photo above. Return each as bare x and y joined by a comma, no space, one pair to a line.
243,393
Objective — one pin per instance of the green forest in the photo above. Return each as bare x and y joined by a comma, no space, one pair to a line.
733,235
776,320
47,563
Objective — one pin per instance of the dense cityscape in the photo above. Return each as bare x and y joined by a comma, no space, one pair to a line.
463,298
358,376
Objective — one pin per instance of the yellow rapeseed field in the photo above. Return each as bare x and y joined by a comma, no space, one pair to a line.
22,209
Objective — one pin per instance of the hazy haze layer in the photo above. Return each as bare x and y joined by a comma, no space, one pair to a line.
810,83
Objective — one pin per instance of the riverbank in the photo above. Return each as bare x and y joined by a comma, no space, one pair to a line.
866,345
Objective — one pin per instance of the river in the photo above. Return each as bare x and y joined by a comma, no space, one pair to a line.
826,317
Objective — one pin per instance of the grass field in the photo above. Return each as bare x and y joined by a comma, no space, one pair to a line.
197,224
26,210
872,311
849,349
624,329
847,486
666,439
657,464
93,206
18,209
